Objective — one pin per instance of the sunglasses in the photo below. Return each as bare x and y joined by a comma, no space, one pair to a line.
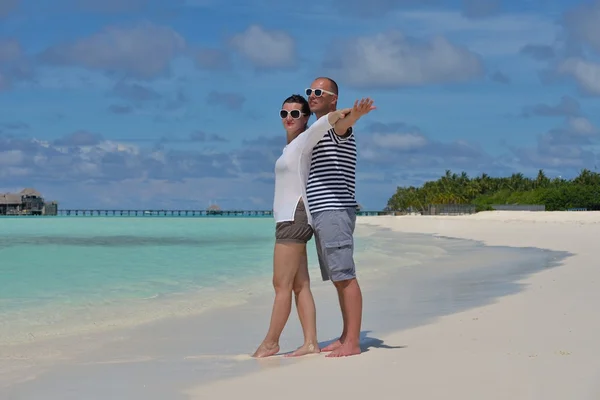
317,92
294,113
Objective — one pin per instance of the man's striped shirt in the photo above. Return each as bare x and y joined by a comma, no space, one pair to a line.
332,177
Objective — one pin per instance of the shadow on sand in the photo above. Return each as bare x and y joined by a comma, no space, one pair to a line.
366,342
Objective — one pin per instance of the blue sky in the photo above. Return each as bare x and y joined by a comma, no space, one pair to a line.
148,103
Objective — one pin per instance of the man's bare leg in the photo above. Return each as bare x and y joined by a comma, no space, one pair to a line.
352,299
286,261
338,343
338,266
307,313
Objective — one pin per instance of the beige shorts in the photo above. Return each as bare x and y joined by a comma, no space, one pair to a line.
296,231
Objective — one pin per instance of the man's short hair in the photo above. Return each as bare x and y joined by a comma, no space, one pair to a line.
334,85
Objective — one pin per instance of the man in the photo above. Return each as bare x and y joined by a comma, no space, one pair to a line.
332,203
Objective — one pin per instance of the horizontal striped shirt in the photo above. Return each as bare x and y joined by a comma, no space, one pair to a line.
332,178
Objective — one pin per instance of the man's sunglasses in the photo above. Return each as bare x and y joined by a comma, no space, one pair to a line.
317,92
294,113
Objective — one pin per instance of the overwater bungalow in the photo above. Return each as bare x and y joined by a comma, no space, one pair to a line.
27,202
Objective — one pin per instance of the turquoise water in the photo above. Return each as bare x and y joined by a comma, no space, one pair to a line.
108,258
64,271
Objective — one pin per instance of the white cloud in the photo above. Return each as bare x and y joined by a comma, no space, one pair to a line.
16,172
571,146
455,22
82,156
266,48
437,22
586,73
152,193
385,148
11,157
500,35
583,23
143,51
393,59
400,141
582,126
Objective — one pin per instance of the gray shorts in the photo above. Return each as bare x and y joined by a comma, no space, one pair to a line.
334,231
296,231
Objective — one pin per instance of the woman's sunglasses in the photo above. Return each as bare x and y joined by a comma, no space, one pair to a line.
294,113
317,92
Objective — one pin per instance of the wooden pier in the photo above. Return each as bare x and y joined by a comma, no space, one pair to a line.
183,213
164,213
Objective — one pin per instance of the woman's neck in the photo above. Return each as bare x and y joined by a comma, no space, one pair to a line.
293,135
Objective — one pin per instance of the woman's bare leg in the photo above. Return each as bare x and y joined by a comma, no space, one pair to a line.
307,312
287,258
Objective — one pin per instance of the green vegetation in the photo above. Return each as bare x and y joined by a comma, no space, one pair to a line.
483,191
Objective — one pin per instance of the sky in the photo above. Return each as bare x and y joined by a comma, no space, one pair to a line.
174,104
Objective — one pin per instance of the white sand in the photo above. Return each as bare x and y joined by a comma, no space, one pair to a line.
541,343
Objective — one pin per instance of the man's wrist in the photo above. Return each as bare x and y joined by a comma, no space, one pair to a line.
347,133
353,118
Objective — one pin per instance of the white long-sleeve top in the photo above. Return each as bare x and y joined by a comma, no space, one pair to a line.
292,168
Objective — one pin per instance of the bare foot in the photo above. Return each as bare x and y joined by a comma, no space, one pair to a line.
333,346
266,350
345,350
304,350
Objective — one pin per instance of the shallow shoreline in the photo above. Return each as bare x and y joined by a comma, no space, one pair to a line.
191,352
539,343
77,315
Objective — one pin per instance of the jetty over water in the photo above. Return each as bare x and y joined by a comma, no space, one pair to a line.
180,213
164,213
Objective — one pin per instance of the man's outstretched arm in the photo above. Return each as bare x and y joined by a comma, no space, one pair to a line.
361,108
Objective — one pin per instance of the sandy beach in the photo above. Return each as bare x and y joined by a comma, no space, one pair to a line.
497,305
540,343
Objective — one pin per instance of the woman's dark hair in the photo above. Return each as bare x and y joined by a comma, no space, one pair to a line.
297,98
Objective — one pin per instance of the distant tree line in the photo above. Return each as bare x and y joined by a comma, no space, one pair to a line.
555,194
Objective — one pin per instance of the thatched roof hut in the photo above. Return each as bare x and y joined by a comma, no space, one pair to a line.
10,198
30,192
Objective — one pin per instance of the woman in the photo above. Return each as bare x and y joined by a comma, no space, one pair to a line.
293,225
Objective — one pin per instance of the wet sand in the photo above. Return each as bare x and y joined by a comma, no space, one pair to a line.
462,319
537,343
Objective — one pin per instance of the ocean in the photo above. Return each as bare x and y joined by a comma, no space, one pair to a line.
106,289
69,275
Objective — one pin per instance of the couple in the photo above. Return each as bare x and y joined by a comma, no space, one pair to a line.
314,194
